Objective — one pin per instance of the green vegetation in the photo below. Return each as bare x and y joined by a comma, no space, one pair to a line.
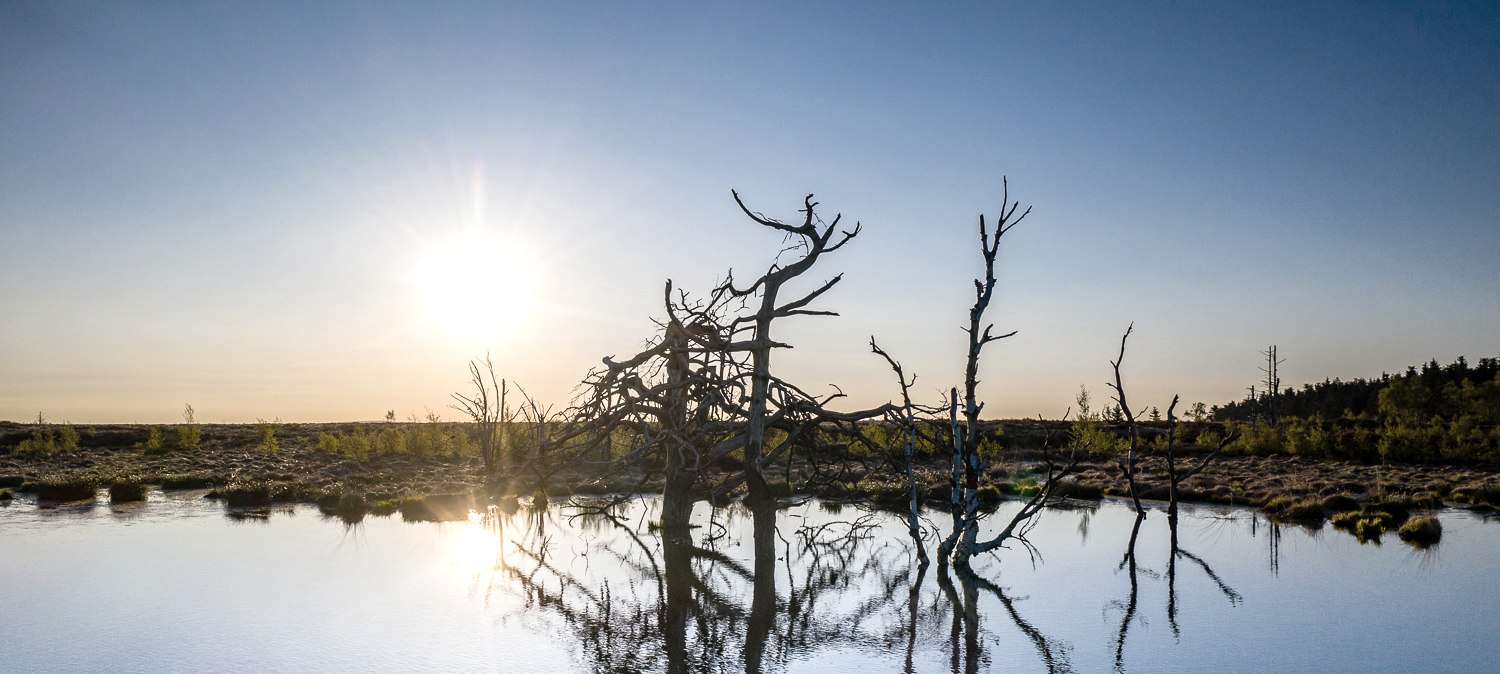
127,489
1367,525
1438,414
1421,531
189,434
74,488
6,494
247,494
47,438
422,437
154,444
434,507
1301,510
266,432
187,481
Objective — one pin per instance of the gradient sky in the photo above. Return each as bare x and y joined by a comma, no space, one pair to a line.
229,204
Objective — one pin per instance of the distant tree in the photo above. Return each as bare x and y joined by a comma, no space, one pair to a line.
189,433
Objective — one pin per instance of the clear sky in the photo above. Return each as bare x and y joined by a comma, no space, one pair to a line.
321,211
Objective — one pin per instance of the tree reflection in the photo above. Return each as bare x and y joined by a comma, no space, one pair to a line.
697,600
756,589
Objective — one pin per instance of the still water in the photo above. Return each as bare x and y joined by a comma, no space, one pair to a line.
176,584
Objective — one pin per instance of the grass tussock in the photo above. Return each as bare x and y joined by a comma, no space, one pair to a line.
1422,531
127,489
1367,525
65,489
188,481
1340,503
1300,510
6,494
435,508
247,494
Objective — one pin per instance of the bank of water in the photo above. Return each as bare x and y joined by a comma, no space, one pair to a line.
180,584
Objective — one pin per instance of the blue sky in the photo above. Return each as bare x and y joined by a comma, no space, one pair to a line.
229,205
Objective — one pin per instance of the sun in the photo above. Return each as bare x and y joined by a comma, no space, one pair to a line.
476,285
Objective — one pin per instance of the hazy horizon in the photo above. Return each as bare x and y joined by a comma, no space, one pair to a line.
279,210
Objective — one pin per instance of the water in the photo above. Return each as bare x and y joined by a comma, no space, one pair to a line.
174,584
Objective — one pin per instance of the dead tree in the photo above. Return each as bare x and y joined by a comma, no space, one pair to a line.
1174,477
962,542
1272,372
1132,453
905,419
704,387
486,407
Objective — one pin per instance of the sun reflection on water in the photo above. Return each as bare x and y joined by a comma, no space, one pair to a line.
478,545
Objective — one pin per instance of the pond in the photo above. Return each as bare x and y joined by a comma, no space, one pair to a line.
178,584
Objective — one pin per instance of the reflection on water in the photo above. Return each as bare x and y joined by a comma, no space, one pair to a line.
592,586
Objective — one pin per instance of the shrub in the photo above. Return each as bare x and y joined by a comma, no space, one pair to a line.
189,434
154,443
356,444
328,442
6,494
67,436
266,432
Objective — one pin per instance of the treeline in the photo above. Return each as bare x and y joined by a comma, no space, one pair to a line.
1435,414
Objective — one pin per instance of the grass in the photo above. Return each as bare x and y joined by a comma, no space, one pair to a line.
6,494
349,506
1340,503
63,489
188,481
247,494
1288,508
434,508
127,489
1366,525
1422,531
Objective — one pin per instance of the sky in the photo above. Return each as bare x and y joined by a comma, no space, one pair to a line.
323,211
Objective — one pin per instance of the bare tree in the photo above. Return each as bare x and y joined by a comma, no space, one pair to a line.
485,406
1129,467
967,467
704,388
1174,476
906,420
1272,372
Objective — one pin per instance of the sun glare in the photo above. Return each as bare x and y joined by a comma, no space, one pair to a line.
476,285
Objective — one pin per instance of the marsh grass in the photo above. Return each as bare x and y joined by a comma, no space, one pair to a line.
188,481
247,494
66,489
1421,531
127,489
1296,509
435,508
1340,503
1366,525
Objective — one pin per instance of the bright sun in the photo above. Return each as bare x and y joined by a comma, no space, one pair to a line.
476,285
